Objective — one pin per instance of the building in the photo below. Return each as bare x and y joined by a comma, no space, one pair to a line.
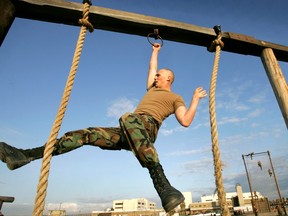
57,213
129,213
236,201
188,198
137,204
230,196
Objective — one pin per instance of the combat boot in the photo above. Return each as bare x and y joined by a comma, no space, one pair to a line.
170,197
15,158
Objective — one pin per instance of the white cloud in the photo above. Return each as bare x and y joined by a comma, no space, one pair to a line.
77,207
244,138
231,104
167,132
191,152
203,165
227,120
255,113
258,98
121,106
71,207
10,131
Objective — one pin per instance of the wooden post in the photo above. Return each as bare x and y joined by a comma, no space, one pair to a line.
7,11
5,199
277,80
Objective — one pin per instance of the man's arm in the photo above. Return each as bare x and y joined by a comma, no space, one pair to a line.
185,116
153,65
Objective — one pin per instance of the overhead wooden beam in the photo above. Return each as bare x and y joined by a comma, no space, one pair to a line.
7,11
59,11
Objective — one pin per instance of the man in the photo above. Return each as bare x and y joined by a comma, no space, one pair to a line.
137,131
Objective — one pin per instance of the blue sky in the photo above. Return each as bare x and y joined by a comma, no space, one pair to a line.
35,60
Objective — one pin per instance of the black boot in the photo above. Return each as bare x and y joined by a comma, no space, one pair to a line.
170,197
15,158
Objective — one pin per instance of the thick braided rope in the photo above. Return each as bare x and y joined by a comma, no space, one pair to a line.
43,180
214,134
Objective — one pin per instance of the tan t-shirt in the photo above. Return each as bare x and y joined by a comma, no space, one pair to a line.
159,103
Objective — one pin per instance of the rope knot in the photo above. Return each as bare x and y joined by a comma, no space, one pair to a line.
215,43
85,20
87,24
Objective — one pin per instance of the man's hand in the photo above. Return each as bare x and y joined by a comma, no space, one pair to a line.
199,93
156,47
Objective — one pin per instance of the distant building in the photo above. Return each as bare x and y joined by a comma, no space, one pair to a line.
231,195
236,201
138,204
57,213
129,213
188,198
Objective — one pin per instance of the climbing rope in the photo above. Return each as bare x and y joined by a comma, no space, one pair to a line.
216,46
49,147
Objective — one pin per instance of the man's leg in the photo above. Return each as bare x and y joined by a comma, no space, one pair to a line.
105,138
141,132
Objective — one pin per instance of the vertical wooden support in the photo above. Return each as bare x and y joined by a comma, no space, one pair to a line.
5,199
277,80
7,16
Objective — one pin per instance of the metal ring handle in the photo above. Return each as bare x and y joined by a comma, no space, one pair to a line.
156,37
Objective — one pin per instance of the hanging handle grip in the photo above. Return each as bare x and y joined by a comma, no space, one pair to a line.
156,36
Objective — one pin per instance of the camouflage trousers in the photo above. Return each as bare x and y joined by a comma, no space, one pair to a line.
137,133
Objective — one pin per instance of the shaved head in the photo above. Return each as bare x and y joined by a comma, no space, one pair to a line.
170,74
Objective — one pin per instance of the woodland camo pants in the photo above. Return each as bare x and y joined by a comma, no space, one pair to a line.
137,133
